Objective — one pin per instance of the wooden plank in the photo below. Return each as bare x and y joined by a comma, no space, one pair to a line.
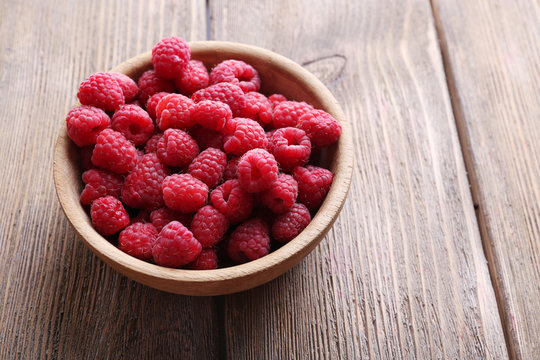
492,56
57,300
402,274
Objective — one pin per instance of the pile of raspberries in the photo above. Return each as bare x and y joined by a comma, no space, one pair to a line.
187,168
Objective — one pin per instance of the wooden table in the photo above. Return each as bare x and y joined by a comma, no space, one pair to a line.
436,253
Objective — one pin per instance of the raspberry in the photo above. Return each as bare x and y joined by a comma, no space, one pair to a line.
134,123
137,239
129,87
230,94
276,99
143,216
150,83
236,72
174,111
258,108
163,216
242,135
257,170
209,226
152,143
209,166
85,157
290,146
207,260
281,195
194,77
175,246
84,123
249,241
114,153
313,185
142,187
206,138
101,90
287,113
184,193
231,170
232,201
108,215
152,103
170,56
177,148
100,183
211,114
321,127
136,102
288,225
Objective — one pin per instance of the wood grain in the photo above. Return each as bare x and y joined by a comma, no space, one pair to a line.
492,54
402,274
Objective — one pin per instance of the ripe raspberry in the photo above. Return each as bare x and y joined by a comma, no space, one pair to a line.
207,260
177,148
209,226
236,72
114,153
249,241
281,195
142,187
313,185
287,113
101,90
137,239
129,87
290,146
84,123
242,135
291,223
174,111
257,170
134,123
85,157
231,170
193,78
230,94
100,183
321,127
258,108
206,138
108,215
209,166
170,56
232,201
163,216
276,99
184,193
175,246
152,143
152,103
211,114
150,83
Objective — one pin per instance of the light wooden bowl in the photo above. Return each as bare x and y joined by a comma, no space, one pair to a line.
278,74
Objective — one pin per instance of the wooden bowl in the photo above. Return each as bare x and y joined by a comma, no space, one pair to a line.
278,74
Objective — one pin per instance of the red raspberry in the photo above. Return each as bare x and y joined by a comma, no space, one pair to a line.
281,195
100,183
150,83
228,93
209,226
114,153
193,78
175,246
257,170
143,216
152,103
163,216
184,193
170,57
174,111
276,99
313,185
236,72
290,146
137,239
85,157
152,143
231,170
108,215
207,260
288,225
249,241
321,127
134,123
232,201
209,166
287,113
211,114
142,187
129,87
258,108
84,123
177,148
242,135
206,138
101,90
